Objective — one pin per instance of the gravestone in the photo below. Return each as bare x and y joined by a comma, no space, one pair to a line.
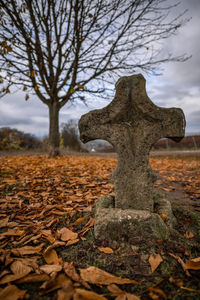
132,124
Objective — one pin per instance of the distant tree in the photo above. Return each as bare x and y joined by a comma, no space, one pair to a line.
13,139
62,50
70,136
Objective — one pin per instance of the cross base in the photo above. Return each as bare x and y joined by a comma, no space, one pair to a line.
135,225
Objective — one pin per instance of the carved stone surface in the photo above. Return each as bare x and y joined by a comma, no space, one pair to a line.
115,223
132,124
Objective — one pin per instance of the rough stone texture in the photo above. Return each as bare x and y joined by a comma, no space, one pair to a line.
132,124
115,223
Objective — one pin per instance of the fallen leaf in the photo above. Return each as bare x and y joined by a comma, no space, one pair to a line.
48,269
189,235
164,217
11,277
66,234
72,242
33,278
12,292
155,261
67,291
106,250
79,221
81,294
4,222
51,256
71,272
155,293
181,263
178,282
193,264
117,292
18,267
97,276
13,233
53,284
27,250
55,245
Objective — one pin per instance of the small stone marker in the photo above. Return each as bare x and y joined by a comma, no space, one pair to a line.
132,124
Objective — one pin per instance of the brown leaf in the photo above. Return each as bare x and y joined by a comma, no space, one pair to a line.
164,217
97,276
87,295
51,256
79,221
18,267
33,278
155,261
53,284
72,242
106,250
117,292
12,292
193,264
178,282
67,291
11,277
48,269
55,245
4,222
189,235
155,293
66,234
13,233
26,250
181,263
70,271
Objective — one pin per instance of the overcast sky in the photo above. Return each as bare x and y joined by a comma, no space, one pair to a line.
179,86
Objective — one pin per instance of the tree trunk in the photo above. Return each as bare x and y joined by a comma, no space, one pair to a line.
54,137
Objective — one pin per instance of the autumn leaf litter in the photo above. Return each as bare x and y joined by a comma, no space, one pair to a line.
47,245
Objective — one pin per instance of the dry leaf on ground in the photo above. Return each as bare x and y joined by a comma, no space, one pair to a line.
181,262
12,292
67,291
121,295
33,278
48,269
97,276
18,267
51,256
11,278
189,235
71,272
156,293
81,294
66,234
155,261
106,250
27,250
53,284
193,264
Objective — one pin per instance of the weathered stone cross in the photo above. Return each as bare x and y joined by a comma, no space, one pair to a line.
132,124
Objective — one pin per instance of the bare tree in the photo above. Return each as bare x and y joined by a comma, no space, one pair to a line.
64,49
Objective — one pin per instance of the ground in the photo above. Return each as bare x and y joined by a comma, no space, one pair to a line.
46,232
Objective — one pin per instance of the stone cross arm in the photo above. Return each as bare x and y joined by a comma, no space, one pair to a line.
131,108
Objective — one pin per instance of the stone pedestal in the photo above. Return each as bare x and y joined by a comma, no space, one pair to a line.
114,223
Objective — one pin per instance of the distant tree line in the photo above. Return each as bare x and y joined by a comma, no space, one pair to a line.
13,139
